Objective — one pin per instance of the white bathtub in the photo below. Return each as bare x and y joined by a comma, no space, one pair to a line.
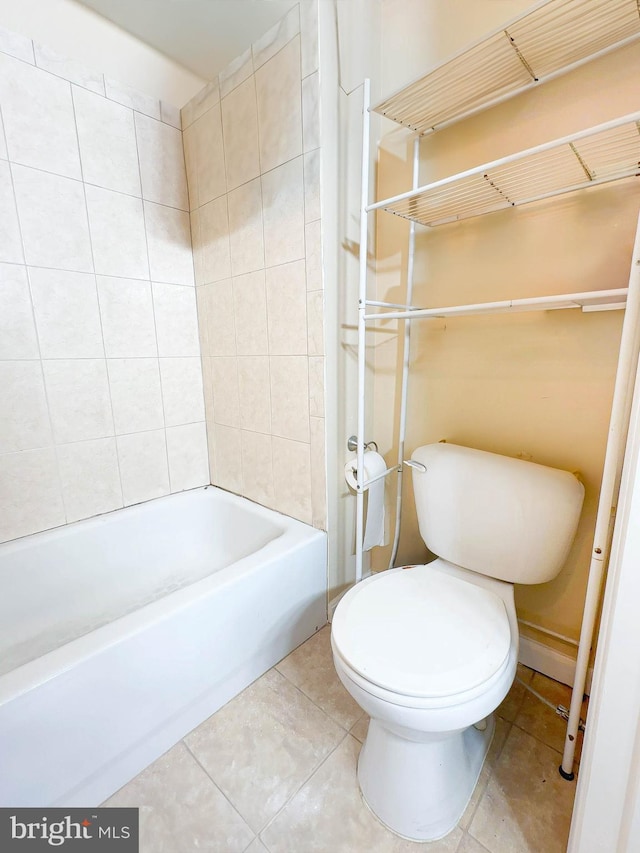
120,634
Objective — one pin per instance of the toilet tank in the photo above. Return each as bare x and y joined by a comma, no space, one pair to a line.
502,517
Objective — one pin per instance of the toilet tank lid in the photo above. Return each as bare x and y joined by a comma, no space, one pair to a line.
420,632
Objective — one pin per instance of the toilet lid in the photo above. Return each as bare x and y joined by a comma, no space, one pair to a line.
421,632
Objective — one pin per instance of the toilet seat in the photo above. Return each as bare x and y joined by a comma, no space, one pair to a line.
422,633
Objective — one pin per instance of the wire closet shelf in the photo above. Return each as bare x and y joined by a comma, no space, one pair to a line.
552,39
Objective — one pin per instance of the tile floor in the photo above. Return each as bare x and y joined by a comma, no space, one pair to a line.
274,771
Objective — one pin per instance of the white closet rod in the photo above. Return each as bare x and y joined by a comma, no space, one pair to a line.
618,426
533,303
362,328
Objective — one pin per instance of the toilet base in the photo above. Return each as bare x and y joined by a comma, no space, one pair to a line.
420,789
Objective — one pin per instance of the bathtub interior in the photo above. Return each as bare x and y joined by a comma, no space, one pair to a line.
62,584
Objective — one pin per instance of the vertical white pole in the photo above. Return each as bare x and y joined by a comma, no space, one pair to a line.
610,476
402,429
362,336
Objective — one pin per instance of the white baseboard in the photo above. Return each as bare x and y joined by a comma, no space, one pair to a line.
550,662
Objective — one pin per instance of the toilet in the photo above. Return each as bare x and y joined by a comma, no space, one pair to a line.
430,651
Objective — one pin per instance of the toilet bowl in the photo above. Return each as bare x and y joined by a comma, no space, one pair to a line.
430,651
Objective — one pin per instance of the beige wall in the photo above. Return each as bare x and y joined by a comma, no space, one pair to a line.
252,148
100,375
539,385
78,34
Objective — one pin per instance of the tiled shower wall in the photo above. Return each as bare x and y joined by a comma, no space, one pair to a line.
252,147
101,400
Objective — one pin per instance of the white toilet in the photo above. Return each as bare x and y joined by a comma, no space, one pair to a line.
429,652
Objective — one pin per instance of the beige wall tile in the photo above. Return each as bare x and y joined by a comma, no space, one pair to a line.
208,389
257,468
176,319
287,309
200,103
246,235
240,129
132,98
53,221
10,240
182,392
213,242
107,138
170,114
292,478
312,185
290,396
90,478
210,175
250,306
66,311
315,322
236,72
283,211
17,329
276,38
16,45
136,395
161,162
24,417
278,92
79,401
313,255
30,496
311,112
68,69
169,238
188,459
318,474
126,310
228,456
316,386
38,117
224,383
255,398
309,36
118,238
143,466
219,319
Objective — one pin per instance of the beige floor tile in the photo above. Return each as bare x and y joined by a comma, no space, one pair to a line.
497,745
360,728
526,806
542,722
261,746
328,814
511,704
468,844
181,809
310,667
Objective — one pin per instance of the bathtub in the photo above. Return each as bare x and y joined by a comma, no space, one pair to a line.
121,633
